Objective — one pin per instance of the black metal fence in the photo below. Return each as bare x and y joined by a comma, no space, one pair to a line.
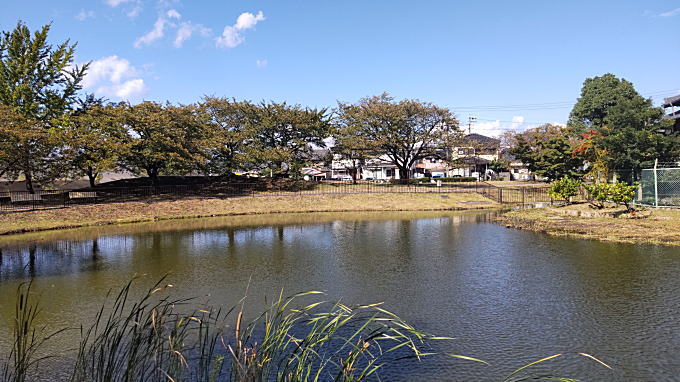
23,200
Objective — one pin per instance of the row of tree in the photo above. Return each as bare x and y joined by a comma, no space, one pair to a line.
48,130
611,128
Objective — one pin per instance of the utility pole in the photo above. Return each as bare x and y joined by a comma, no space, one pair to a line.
471,120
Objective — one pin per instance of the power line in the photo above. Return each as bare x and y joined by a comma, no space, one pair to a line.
543,106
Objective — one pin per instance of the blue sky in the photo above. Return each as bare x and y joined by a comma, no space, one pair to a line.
500,61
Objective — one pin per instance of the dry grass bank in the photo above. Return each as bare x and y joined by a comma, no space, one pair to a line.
148,210
661,227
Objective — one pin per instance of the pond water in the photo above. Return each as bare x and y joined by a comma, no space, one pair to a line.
507,296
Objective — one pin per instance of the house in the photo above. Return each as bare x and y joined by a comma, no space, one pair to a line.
380,168
472,157
520,171
432,166
672,107
320,161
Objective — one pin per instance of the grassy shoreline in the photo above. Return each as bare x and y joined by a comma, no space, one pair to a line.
183,208
662,227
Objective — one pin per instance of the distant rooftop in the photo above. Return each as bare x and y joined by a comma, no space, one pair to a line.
671,101
482,139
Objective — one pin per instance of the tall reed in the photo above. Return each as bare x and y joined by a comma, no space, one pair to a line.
160,338
29,338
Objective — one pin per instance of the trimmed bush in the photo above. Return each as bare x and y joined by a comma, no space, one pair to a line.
564,188
619,193
426,180
598,194
622,193
456,179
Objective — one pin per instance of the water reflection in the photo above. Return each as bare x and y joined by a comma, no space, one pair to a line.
508,296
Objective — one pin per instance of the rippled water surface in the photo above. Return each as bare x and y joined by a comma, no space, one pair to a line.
507,296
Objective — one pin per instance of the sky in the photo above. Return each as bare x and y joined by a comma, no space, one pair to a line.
509,64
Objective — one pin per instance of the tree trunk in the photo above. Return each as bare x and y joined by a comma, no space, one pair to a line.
92,176
403,175
29,181
353,173
28,172
153,175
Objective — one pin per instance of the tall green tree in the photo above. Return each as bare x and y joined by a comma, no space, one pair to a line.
629,129
280,136
95,138
404,131
39,82
548,152
164,139
226,122
351,145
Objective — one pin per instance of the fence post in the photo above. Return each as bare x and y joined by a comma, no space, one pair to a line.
656,184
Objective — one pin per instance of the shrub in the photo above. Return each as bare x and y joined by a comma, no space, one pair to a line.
456,179
619,193
622,193
564,188
427,180
598,194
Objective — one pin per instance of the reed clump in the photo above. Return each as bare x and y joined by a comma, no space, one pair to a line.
161,338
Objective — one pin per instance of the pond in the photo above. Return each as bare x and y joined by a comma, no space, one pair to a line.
507,296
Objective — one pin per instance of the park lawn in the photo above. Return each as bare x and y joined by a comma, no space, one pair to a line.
661,227
159,209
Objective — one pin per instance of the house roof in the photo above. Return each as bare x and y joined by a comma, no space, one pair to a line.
316,154
675,115
671,101
311,172
483,140
473,160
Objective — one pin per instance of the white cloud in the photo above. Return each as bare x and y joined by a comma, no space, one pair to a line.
134,12
173,14
184,33
132,89
115,3
232,35
517,121
84,15
670,13
114,77
154,34
498,127
112,68
186,30
261,63
247,20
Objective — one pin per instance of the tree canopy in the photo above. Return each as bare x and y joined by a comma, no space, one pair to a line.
618,128
280,135
95,138
547,151
38,84
404,131
163,138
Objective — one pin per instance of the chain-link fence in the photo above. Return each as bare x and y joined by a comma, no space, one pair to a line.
660,186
